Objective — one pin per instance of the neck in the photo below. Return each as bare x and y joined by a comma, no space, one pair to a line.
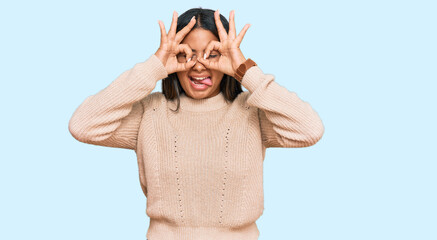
203,105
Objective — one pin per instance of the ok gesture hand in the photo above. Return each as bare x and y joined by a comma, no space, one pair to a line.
229,47
170,46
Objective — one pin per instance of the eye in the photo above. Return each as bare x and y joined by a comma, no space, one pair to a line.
181,55
213,56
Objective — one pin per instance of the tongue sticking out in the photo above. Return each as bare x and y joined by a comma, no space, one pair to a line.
206,81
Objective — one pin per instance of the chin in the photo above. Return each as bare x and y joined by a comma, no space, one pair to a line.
201,94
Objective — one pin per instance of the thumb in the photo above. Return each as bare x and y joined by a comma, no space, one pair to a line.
190,63
208,64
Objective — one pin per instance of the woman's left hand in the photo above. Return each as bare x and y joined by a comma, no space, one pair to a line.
230,57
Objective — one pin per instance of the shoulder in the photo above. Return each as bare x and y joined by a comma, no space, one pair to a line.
241,99
245,111
153,100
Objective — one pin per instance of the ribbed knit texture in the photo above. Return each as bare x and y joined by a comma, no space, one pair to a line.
201,168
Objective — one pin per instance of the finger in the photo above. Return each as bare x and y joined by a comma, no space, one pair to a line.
209,64
184,48
181,34
163,32
185,66
212,45
174,22
218,23
232,32
189,64
241,34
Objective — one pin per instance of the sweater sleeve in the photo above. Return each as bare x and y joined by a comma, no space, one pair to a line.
112,116
285,120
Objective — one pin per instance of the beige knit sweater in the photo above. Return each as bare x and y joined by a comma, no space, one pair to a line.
201,169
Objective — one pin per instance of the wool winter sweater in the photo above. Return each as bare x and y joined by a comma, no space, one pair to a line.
201,169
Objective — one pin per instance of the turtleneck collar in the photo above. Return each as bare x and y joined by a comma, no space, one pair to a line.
203,105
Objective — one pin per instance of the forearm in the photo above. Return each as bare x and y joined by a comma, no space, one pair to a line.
285,119
100,115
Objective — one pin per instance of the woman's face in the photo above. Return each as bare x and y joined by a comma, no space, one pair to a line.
197,40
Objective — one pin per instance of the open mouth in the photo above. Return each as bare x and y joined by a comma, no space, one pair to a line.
201,81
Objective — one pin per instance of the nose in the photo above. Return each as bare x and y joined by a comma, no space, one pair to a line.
198,66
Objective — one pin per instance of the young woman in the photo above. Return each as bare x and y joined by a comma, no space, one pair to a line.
201,143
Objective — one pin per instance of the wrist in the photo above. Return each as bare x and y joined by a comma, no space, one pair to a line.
242,69
237,61
162,56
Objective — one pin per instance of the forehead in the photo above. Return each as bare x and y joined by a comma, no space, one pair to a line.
198,39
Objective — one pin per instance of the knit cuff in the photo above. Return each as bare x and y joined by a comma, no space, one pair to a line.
253,78
155,68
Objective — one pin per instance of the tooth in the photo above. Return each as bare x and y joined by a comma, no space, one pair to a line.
197,78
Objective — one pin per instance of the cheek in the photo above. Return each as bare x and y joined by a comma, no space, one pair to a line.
182,77
218,76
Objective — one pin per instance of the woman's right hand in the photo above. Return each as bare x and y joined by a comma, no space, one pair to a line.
170,46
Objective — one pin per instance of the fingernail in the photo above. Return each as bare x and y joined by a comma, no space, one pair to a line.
189,59
204,56
192,18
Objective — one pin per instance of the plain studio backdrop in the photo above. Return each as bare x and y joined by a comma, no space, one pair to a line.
367,67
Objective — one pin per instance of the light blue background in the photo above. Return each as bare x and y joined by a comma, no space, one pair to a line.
367,67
